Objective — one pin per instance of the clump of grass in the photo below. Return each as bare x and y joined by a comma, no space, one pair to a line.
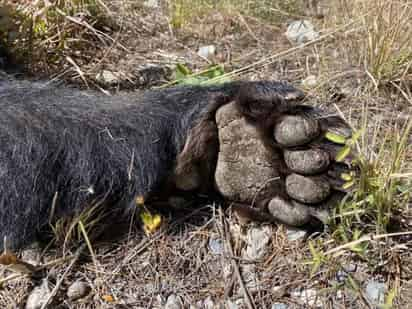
379,45
85,225
381,191
381,42
47,35
388,31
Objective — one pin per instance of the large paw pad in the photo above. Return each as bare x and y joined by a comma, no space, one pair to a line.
297,180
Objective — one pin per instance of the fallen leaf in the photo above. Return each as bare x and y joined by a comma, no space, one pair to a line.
151,222
108,298
15,264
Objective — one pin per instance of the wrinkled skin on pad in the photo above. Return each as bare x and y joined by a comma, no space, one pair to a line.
290,183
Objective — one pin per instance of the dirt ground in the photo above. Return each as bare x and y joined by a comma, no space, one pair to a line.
203,257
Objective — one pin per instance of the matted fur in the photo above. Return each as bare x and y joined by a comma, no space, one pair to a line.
82,146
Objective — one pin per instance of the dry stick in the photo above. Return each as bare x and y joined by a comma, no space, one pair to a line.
10,278
39,268
243,21
365,238
78,70
53,207
60,281
229,288
235,265
282,53
404,94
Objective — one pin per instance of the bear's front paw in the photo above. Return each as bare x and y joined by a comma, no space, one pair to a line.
292,178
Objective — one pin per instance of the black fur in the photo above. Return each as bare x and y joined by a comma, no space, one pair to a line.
87,146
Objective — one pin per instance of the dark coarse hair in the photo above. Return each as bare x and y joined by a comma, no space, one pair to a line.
72,147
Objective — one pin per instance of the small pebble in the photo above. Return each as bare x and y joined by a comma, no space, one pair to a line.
235,304
32,254
250,276
351,267
294,234
341,276
301,31
216,245
38,296
279,291
77,290
107,77
258,239
310,82
279,306
153,4
308,297
207,51
375,292
173,302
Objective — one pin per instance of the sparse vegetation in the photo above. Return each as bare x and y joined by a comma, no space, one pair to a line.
380,43
47,35
387,52
366,63
183,12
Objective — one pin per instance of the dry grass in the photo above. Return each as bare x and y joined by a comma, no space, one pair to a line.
362,64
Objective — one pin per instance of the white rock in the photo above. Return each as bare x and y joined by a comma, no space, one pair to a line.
301,31
310,82
231,305
257,242
32,254
207,51
153,4
294,234
216,245
107,77
308,297
375,292
159,301
279,306
78,289
279,291
173,302
38,296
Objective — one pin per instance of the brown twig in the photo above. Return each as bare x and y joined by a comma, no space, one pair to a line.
60,281
235,265
10,278
340,249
